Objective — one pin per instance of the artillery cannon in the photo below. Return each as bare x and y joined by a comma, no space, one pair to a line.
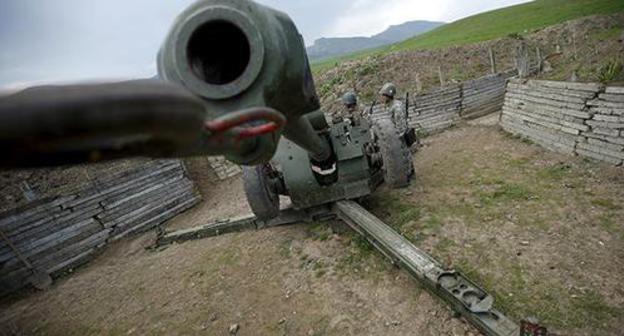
234,77
260,60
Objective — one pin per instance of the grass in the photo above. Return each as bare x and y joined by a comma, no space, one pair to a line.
517,293
510,21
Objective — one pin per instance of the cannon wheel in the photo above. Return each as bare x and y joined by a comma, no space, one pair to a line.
261,196
396,163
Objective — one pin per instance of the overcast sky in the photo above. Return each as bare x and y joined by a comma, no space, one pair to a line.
68,40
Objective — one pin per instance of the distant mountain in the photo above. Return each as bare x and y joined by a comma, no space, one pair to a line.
336,46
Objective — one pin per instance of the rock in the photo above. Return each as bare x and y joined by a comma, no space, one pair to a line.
234,329
282,321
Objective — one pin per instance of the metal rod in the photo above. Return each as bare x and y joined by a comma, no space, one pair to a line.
465,297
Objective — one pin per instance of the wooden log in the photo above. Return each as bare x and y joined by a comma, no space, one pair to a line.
54,224
603,103
120,187
132,188
614,89
545,112
608,118
30,248
590,87
598,156
609,139
159,219
129,176
475,95
68,252
548,102
550,120
541,107
72,263
611,97
540,130
148,211
57,253
22,216
604,124
606,131
619,155
579,103
607,110
561,92
155,196
606,145
140,193
125,212
46,227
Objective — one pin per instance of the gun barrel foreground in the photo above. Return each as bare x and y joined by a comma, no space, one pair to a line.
239,54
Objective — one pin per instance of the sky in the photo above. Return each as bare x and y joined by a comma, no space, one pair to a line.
52,41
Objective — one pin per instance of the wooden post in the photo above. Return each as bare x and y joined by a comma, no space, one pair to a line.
575,56
540,61
522,60
492,60
27,192
418,83
441,75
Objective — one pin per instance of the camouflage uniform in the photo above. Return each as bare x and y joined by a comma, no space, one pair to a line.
396,110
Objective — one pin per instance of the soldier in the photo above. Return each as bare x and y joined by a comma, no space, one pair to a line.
396,110
350,112
393,107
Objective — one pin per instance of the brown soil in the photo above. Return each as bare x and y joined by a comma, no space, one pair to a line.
542,231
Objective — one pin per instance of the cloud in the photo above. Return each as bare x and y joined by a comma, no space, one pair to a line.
64,40
369,17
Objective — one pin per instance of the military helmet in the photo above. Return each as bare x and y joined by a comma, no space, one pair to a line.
349,98
389,90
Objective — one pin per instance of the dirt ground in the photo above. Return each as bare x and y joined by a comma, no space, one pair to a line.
541,231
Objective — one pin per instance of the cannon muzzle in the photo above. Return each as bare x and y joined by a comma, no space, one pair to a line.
237,55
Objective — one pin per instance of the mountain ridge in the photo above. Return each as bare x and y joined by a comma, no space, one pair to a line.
335,46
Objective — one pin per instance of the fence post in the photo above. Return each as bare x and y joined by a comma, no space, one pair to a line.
575,56
522,60
418,83
540,60
441,75
492,60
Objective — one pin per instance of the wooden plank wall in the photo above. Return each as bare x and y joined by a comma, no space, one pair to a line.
585,119
63,231
445,106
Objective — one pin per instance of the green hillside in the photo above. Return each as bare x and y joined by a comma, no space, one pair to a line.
494,24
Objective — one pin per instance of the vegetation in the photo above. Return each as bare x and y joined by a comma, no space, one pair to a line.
610,71
510,21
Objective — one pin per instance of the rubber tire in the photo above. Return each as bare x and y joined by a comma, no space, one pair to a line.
263,201
395,154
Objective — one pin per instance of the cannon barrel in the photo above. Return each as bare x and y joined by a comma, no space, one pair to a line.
239,54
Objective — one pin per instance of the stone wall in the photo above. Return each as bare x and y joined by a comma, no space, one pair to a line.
584,119
67,226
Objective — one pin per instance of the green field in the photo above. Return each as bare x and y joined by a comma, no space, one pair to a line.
517,19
